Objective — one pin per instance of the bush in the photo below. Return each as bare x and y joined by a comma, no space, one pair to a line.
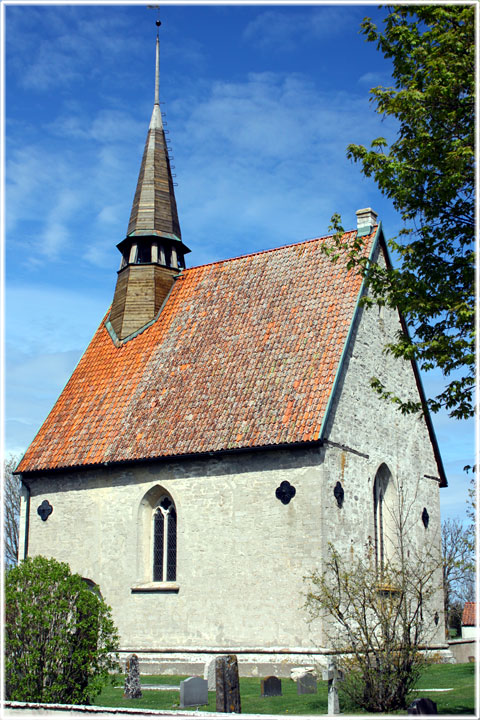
377,622
60,640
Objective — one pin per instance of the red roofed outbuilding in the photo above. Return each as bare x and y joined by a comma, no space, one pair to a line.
469,620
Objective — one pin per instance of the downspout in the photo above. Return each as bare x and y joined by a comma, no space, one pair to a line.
346,346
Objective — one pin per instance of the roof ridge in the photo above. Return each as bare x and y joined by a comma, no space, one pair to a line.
269,250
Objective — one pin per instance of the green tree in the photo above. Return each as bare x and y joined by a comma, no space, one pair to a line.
60,640
428,173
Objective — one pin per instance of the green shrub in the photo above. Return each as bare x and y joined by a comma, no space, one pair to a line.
60,640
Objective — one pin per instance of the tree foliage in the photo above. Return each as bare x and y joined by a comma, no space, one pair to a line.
428,173
11,511
60,640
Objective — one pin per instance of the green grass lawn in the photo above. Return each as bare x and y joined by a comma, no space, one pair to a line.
459,701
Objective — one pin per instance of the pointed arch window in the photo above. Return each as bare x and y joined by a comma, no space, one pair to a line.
165,541
157,525
384,516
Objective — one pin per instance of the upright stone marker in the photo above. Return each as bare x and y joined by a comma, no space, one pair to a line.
271,687
306,684
228,684
333,675
193,692
209,674
132,688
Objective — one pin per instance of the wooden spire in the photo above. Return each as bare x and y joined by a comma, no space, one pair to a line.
153,251
154,210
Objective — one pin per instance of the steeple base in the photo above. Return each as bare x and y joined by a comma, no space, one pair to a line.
139,294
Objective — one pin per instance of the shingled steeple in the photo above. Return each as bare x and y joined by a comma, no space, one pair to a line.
153,251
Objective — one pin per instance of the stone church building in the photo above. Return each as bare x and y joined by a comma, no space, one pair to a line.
219,433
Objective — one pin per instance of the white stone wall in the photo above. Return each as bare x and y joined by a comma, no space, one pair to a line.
365,431
242,554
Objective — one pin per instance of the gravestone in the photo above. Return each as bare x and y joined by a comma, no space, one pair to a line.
193,692
132,688
297,672
270,686
333,675
209,674
306,684
227,684
422,706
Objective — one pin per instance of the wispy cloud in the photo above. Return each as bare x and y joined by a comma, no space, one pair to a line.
271,153
68,48
373,79
47,331
284,30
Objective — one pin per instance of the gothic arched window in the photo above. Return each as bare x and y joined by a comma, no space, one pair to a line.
384,516
165,541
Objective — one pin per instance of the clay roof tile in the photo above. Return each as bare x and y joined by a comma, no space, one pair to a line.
244,353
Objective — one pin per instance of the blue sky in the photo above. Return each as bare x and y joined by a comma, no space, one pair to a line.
261,102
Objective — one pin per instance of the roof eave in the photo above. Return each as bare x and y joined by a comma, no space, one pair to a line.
33,474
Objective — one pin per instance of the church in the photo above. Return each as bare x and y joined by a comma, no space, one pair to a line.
219,433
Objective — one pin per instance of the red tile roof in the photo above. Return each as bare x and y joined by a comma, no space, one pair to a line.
469,616
243,354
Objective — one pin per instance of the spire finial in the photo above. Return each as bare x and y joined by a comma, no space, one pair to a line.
157,71
157,54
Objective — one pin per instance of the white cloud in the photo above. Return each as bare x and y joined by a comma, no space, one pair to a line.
373,79
106,126
28,403
39,362
72,44
284,30
270,152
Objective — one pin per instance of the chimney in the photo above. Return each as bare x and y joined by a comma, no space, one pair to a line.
366,219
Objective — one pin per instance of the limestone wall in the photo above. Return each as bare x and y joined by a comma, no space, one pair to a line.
364,432
242,554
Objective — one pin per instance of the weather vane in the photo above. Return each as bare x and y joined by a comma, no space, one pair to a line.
157,8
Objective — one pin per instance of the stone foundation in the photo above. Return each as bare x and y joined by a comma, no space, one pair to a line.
250,664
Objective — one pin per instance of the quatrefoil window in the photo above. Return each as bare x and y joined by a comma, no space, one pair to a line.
285,492
45,510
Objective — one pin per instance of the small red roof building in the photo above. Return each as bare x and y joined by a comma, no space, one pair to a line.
469,615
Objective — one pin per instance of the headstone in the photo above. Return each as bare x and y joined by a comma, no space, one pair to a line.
422,706
227,684
306,684
333,675
270,686
297,672
193,692
132,688
209,674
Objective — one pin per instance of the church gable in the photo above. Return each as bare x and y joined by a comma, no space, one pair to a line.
243,354
357,417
